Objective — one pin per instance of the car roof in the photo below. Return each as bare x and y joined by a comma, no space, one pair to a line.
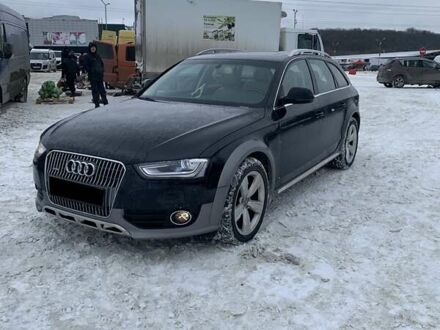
256,56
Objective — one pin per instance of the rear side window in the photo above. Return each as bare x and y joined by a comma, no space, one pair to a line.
412,63
431,65
323,76
297,75
18,37
339,77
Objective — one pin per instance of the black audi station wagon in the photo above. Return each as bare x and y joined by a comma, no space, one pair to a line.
203,148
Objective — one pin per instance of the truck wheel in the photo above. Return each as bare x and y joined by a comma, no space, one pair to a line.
399,81
349,147
23,96
245,204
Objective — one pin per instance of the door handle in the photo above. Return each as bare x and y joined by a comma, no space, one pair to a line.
320,115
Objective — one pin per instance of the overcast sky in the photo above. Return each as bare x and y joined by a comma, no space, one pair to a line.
390,14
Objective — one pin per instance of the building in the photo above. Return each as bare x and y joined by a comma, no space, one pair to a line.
60,32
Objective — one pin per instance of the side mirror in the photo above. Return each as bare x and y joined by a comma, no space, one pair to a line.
297,95
7,50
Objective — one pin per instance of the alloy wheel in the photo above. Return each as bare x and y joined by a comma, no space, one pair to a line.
351,143
399,82
249,203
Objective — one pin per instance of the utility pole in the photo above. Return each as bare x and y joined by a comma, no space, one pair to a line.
295,20
380,44
105,8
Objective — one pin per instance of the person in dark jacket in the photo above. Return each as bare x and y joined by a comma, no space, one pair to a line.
70,71
95,69
64,55
81,63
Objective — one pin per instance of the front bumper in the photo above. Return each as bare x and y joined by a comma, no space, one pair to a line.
116,223
142,207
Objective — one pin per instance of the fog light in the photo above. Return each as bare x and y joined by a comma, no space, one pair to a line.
180,218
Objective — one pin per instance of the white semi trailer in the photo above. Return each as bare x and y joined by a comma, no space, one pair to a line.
168,31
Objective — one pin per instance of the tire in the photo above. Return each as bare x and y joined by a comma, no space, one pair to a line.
398,81
349,147
23,96
234,227
388,85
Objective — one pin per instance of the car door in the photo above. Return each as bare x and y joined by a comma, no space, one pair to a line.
431,72
332,104
126,63
299,129
414,70
335,111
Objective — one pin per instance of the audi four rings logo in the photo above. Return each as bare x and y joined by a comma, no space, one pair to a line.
80,168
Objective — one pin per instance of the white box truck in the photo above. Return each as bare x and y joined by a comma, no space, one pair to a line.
168,31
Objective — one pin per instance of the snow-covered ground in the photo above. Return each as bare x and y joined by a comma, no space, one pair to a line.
353,249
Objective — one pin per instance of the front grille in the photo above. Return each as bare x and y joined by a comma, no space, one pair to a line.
91,194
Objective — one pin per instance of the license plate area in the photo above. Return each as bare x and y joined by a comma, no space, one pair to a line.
76,191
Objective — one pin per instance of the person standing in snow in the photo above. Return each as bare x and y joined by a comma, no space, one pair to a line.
95,69
70,71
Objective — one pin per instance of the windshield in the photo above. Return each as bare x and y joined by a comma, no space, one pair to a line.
223,82
39,56
57,53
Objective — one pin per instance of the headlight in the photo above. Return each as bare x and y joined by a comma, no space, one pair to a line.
41,149
187,168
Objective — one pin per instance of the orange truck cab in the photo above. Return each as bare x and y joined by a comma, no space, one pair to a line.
119,63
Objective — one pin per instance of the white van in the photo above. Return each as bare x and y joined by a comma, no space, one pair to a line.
14,56
43,60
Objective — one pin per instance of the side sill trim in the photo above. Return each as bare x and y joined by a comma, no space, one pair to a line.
307,173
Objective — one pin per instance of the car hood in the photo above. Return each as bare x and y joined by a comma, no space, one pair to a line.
137,131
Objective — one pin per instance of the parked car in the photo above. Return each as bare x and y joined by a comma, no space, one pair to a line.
58,55
409,71
373,67
14,56
203,148
43,60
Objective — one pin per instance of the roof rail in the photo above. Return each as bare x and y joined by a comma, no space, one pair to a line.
297,52
217,51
